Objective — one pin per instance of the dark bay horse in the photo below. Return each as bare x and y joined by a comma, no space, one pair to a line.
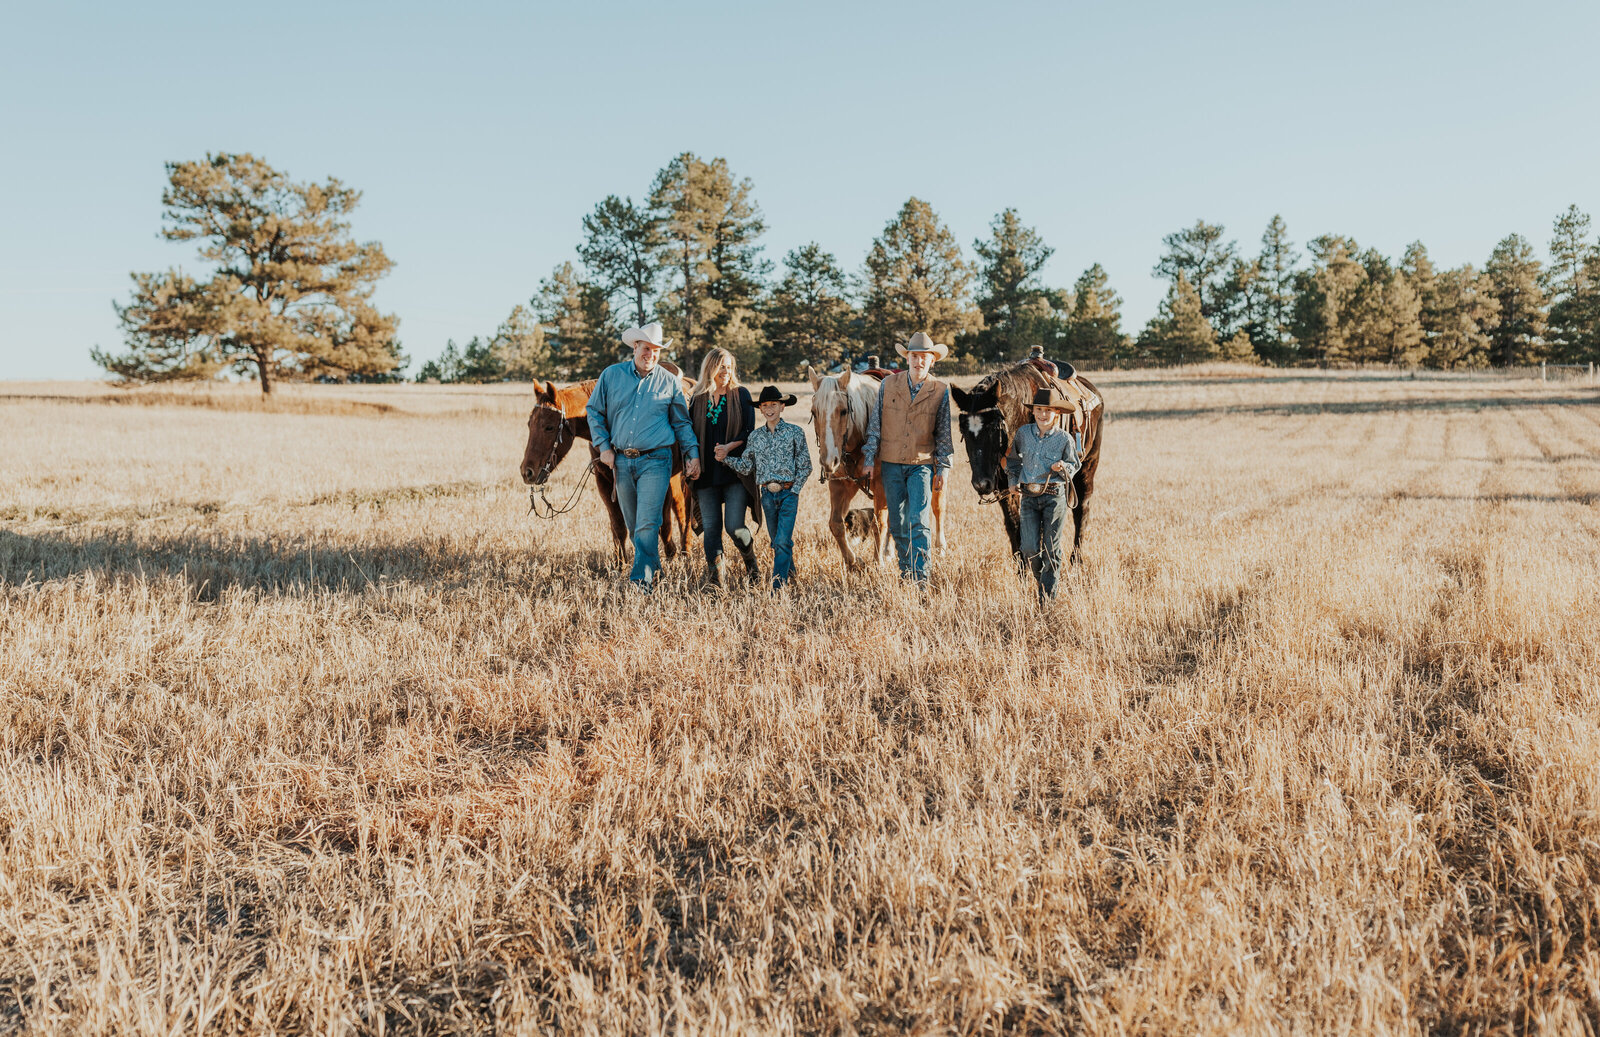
991,413
841,409
558,420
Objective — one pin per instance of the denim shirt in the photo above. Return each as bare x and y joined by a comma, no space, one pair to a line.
1033,452
630,412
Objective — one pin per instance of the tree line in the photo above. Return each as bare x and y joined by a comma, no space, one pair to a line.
289,296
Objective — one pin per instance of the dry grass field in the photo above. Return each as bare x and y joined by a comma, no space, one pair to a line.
309,728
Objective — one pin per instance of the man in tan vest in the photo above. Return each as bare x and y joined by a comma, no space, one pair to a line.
909,435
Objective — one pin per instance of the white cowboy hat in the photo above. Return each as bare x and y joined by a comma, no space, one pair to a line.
650,333
921,343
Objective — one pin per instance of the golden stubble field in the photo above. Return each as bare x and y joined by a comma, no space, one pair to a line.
308,728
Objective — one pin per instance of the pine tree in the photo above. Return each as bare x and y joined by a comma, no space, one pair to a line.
1240,301
710,227
1015,305
480,364
1573,289
809,317
1460,315
1238,349
1179,333
1200,254
916,280
1513,274
1277,264
1093,331
290,293
448,365
519,346
578,327
621,242
1325,296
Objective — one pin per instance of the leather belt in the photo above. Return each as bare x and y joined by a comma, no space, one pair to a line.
641,453
776,487
1040,489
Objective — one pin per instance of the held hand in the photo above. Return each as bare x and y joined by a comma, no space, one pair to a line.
938,480
609,458
1060,468
691,468
720,451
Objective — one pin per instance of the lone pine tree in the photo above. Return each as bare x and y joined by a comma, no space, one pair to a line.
290,292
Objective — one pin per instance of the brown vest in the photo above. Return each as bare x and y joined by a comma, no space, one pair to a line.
905,428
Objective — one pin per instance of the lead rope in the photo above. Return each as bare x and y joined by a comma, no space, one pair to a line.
536,496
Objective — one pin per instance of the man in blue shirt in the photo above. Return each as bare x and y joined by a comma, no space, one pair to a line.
636,413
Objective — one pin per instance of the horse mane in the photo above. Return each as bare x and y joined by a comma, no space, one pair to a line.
1015,386
860,396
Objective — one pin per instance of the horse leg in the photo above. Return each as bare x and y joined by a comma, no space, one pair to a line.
883,546
671,508
839,494
1011,513
605,484
1080,519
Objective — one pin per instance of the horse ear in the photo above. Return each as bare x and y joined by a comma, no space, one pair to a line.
545,392
816,379
843,378
961,396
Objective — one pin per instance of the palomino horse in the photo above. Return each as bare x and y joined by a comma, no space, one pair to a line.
841,409
557,421
991,413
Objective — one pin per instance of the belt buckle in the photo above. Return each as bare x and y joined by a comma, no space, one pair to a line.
1033,489
774,486
631,452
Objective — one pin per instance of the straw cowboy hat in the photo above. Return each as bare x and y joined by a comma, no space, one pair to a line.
650,333
1051,397
921,343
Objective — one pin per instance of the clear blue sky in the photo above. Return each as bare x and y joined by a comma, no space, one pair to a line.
481,133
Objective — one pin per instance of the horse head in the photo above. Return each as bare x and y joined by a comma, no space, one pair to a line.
550,435
984,432
839,412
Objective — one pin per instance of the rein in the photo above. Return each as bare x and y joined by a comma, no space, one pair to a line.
537,493
536,496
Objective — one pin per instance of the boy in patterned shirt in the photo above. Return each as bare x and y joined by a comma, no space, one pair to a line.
778,455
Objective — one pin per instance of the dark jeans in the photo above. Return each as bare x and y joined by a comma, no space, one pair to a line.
641,494
779,509
721,508
1042,518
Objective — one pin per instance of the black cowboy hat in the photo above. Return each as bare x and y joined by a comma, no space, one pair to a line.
770,394
1050,396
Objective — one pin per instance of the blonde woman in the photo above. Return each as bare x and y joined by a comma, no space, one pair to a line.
722,414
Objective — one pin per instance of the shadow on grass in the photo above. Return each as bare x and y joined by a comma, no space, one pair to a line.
213,562
1411,403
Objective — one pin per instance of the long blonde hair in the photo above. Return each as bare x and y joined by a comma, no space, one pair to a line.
713,359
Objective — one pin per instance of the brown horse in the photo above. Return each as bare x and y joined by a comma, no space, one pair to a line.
558,420
841,409
991,413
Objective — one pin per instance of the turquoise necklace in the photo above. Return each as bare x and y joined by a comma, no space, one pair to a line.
714,410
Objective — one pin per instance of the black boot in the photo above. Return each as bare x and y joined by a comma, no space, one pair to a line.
747,551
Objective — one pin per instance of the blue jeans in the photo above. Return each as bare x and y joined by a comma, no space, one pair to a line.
642,493
908,493
779,509
1042,517
721,507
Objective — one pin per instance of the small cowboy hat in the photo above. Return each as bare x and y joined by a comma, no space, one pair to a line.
1051,397
921,343
650,333
771,395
